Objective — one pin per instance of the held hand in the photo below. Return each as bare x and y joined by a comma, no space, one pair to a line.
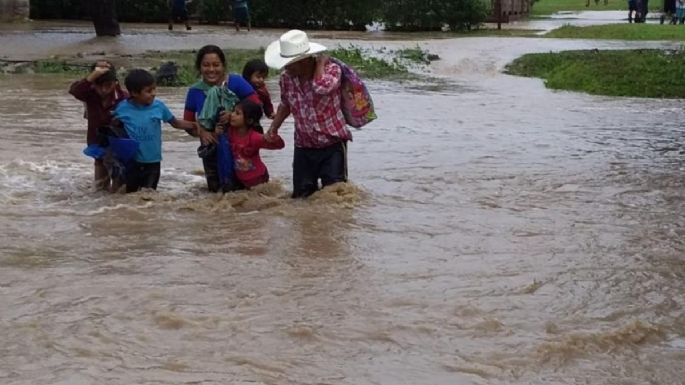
271,134
194,131
206,137
224,117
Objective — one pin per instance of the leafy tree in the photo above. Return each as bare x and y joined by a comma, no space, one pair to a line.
417,15
408,15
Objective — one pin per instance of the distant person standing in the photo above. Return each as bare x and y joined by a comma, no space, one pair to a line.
679,12
644,9
241,14
178,12
679,16
632,11
668,12
641,9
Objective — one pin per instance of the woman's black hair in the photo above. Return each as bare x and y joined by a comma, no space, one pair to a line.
254,66
252,113
206,50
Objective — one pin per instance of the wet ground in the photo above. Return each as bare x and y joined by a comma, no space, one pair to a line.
496,232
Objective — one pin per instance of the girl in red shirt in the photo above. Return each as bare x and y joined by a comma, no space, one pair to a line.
246,138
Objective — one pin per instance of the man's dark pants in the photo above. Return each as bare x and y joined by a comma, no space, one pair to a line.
311,164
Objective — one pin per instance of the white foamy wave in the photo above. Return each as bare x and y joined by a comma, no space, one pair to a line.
120,206
30,180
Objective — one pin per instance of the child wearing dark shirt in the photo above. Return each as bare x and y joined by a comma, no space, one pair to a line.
256,72
100,92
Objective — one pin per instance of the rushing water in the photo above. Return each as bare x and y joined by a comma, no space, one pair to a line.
496,232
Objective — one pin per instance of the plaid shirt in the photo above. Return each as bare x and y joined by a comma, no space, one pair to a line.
315,106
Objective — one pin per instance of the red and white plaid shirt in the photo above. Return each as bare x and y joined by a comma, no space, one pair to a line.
315,106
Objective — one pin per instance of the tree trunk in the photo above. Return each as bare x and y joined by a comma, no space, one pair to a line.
14,10
104,15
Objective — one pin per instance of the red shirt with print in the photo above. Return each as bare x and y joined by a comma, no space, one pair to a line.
249,168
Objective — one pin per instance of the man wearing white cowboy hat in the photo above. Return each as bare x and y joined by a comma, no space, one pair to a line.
310,90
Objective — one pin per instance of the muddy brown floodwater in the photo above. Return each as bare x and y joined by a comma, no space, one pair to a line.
496,232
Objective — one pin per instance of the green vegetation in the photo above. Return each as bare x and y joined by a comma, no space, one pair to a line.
367,65
548,7
415,55
621,32
408,15
185,60
641,73
422,15
370,65
56,67
499,32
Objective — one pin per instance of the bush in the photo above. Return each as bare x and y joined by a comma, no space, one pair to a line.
313,14
143,11
58,9
213,11
408,15
650,73
421,15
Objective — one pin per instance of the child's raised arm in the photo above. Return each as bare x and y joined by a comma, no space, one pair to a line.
81,89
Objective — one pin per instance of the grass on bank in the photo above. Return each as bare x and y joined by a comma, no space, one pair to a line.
549,7
369,66
621,32
638,73
489,31
185,60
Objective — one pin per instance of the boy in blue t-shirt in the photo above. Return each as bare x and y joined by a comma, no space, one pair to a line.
142,116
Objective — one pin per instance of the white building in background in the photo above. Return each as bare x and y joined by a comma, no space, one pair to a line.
14,10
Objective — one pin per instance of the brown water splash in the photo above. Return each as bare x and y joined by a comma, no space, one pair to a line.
170,321
583,345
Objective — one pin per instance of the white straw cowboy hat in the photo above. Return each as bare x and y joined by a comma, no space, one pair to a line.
292,46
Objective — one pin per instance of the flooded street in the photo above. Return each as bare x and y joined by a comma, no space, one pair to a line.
496,232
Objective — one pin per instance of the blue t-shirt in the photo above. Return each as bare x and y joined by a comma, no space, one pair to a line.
144,124
195,98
